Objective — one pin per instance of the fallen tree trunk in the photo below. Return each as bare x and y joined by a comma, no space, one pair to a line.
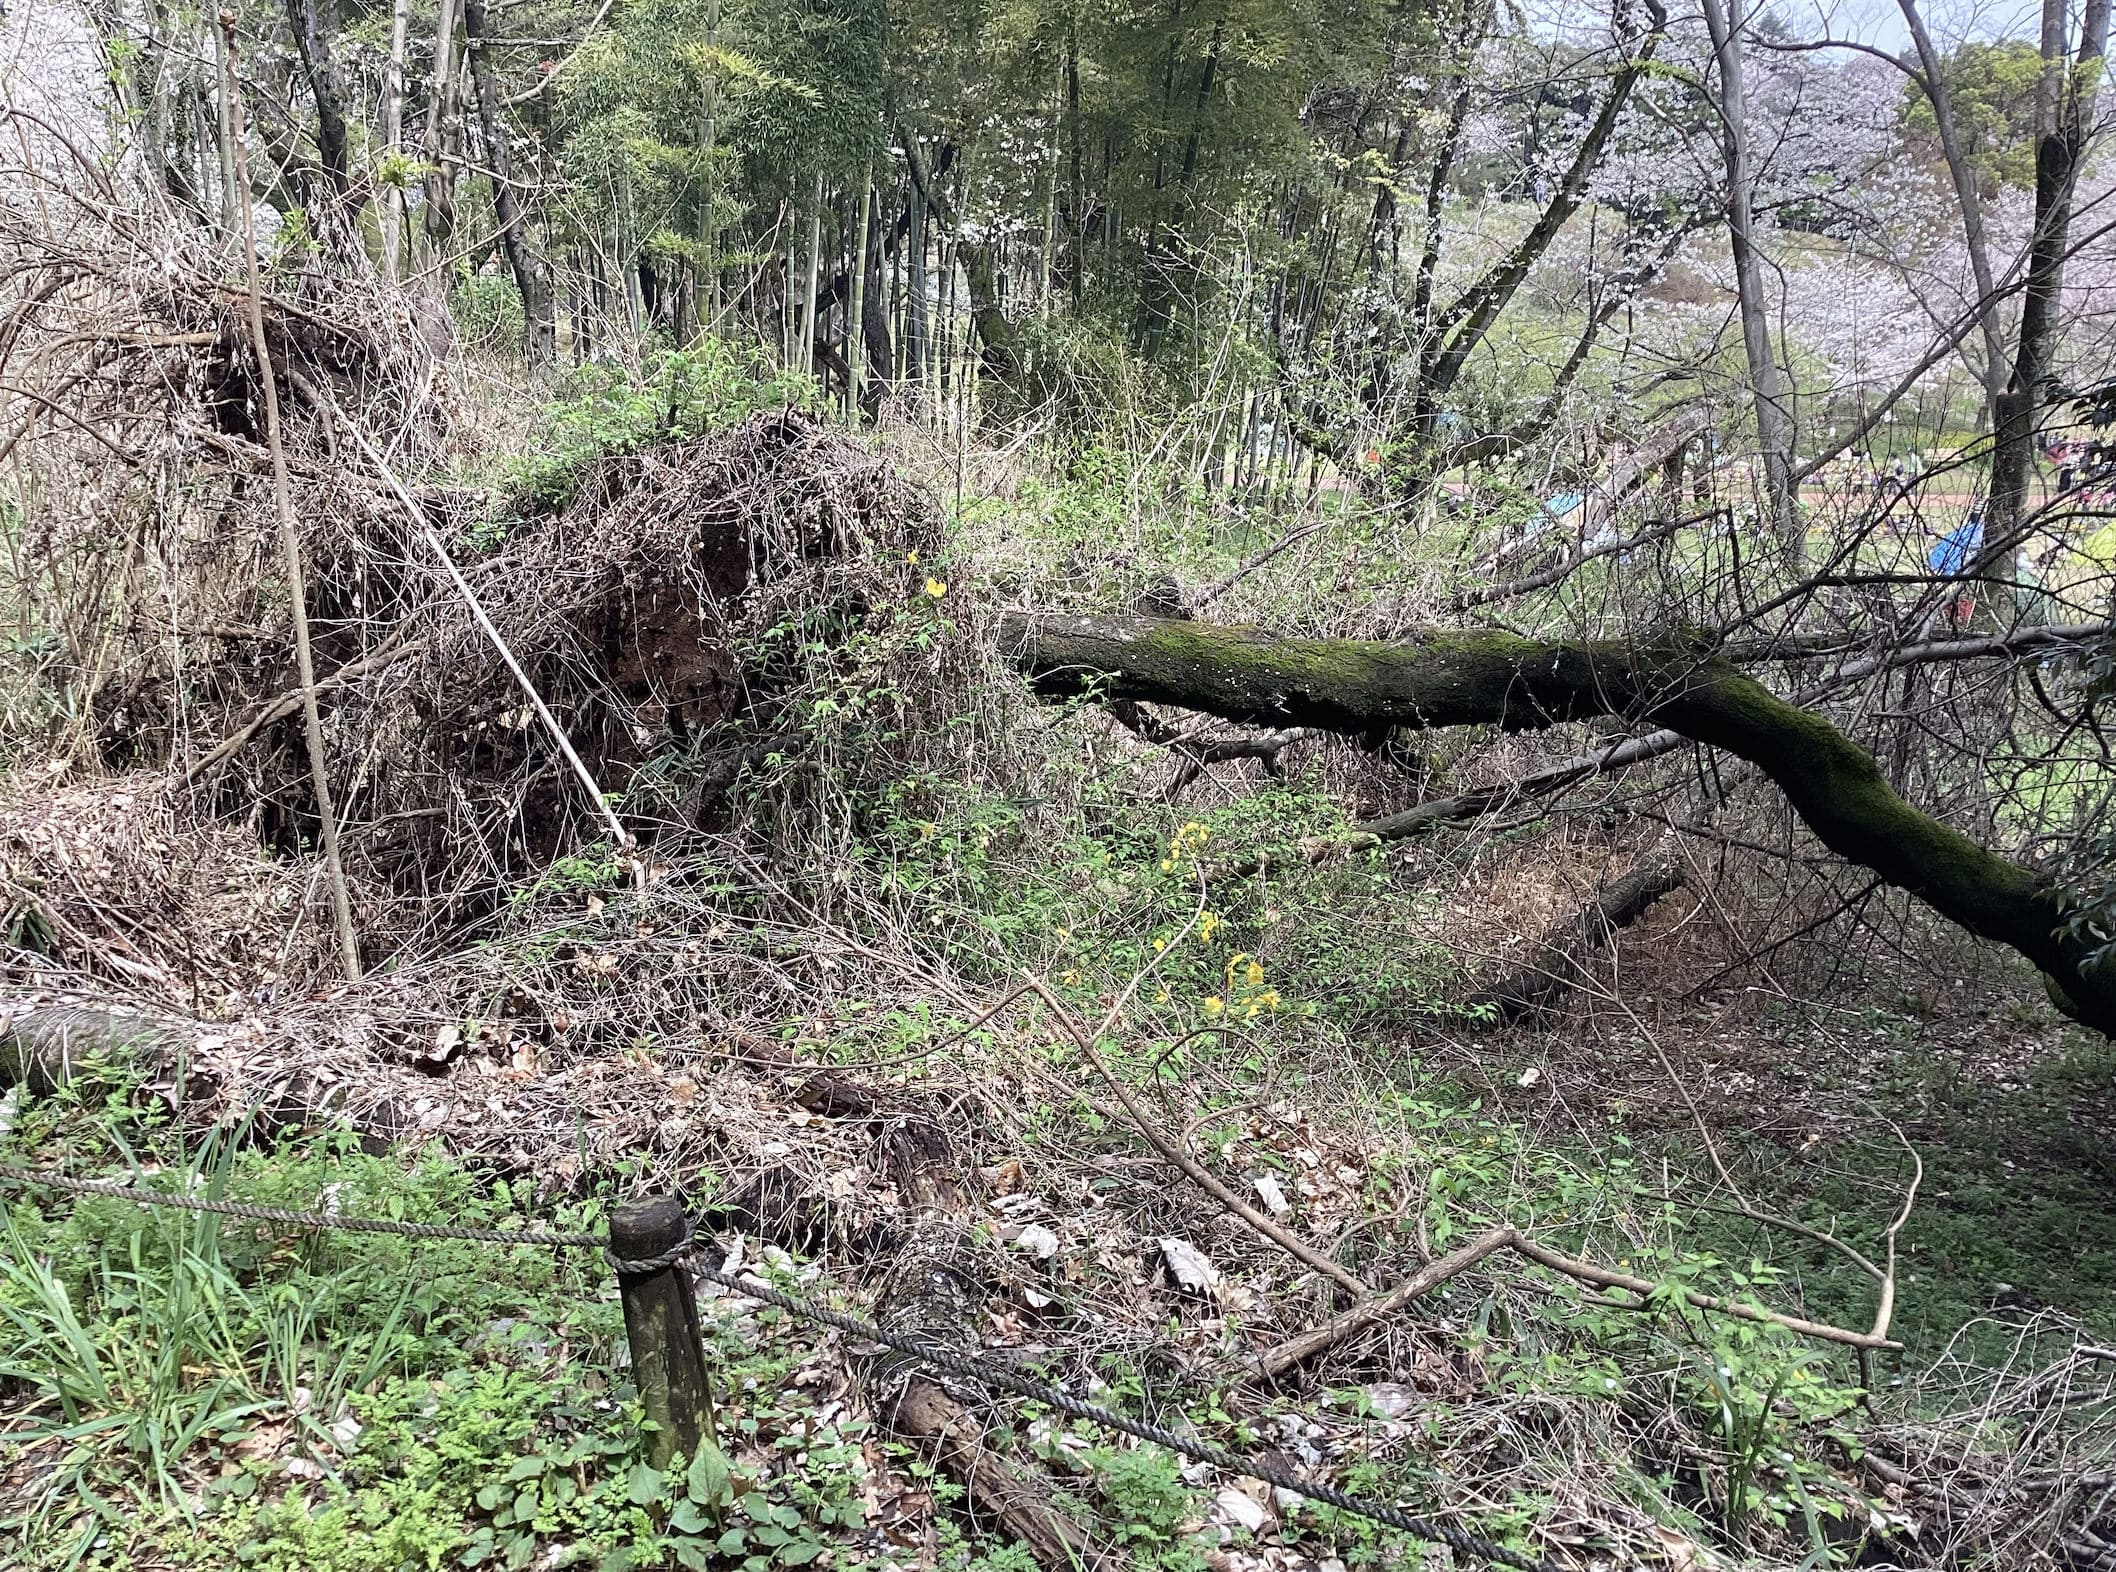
1559,958
46,1044
1497,679
931,1292
43,1047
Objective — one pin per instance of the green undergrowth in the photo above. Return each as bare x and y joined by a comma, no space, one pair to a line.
187,1390
603,408
2011,1217
1310,991
1121,899
198,1393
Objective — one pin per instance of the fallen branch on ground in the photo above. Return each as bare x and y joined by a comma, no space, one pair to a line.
1556,959
1198,752
929,1294
289,702
1298,1350
45,1043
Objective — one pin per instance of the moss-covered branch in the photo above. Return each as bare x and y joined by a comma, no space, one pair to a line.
1484,678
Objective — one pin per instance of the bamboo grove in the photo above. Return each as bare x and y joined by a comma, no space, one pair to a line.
1389,238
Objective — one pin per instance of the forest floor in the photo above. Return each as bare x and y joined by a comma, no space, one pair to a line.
2013,1121
804,1010
429,1372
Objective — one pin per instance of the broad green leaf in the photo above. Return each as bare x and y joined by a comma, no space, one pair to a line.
707,1480
643,1485
689,1518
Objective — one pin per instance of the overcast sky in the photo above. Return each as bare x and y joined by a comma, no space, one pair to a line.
1881,21
1876,22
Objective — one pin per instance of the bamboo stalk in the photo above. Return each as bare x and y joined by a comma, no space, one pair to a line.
815,258
856,331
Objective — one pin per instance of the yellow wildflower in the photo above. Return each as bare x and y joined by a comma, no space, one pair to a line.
936,587
1213,1006
1160,945
912,557
1253,975
1208,925
1070,978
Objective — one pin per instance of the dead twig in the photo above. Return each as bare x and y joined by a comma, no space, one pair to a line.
1291,1243
327,407
1297,1350
1307,1345
290,701
289,529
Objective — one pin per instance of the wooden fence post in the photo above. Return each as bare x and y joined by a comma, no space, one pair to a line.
661,1324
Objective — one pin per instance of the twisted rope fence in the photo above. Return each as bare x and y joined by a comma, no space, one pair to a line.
636,1272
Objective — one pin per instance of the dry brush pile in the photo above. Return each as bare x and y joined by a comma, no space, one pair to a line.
673,617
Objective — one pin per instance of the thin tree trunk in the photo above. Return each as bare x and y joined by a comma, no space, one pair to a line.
289,535
532,274
1963,177
856,322
1077,282
915,318
1050,207
333,137
198,97
1774,423
709,223
438,226
391,133
2064,117
224,133
899,321
815,262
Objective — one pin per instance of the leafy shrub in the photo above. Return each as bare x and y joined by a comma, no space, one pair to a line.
604,408
1146,1502
487,308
